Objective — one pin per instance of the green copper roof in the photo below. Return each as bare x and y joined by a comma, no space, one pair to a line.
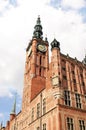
55,44
38,29
38,21
14,107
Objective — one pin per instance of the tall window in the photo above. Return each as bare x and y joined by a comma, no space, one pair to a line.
44,106
38,128
70,125
85,97
78,100
40,60
38,110
67,98
40,71
64,77
44,126
32,114
63,68
81,125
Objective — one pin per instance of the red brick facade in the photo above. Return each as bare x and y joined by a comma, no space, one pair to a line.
54,94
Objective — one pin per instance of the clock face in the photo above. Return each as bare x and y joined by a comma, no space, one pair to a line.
41,48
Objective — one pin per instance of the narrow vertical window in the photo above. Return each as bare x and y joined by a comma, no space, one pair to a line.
32,114
81,125
40,60
78,100
43,61
44,106
38,110
67,98
38,128
85,97
70,125
44,126
40,71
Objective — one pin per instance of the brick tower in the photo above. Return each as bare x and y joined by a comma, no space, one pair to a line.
36,66
54,94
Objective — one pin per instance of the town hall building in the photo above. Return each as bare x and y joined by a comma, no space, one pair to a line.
54,93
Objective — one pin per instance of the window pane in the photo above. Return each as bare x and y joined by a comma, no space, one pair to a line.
44,106
78,100
67,97
81,125
70,124
38,110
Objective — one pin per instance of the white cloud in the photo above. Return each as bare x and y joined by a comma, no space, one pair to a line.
1,115
3,4
16,29
5,92
74,4
6,5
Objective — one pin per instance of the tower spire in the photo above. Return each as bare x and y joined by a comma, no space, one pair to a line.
14,107
1,125
13,112
38,29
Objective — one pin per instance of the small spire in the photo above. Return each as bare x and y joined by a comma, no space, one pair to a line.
38,21
46,39
1,125
38,29
67,55
75,59
14,107
84,60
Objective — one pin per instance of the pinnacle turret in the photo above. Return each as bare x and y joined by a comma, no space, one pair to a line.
55,44
84,60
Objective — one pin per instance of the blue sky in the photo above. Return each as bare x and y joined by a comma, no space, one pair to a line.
5,5
6,105
13,2
63,19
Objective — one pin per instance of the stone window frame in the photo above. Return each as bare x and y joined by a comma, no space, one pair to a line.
65,77
78,100
63,68
38,110
70,123
44,126
67,97
82,125
85,97
32,114
38,128
44,106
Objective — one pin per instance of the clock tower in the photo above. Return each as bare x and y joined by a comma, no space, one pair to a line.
36,66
